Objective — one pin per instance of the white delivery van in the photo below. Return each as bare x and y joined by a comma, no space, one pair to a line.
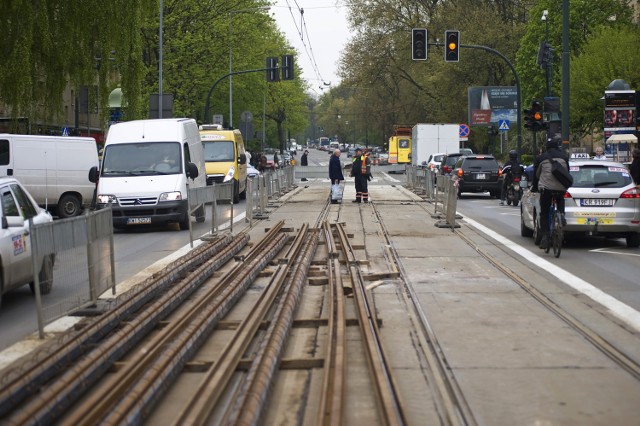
147,167
52,168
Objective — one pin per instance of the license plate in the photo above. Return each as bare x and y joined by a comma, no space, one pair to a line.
138,221
481,176
594,221
603,202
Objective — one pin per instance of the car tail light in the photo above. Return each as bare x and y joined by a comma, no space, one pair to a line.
567,195
516,179
499,172
631,193
460,173
446,169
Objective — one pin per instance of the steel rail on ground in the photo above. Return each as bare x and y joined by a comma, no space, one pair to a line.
253,396
330,411
149,373
45,364
212,386
389,398
450,402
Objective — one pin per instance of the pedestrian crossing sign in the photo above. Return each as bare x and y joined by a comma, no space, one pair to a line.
503,125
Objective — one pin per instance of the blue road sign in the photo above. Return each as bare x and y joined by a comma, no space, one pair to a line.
464,131
503,125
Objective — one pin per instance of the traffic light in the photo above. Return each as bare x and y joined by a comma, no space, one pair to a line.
534,120
287,67
272,69
419,44
452,46
538,119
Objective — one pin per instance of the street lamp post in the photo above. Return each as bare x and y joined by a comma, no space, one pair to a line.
231,13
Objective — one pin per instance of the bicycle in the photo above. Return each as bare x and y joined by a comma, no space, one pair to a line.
556,233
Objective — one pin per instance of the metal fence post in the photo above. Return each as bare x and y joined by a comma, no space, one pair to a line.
36,282
90,227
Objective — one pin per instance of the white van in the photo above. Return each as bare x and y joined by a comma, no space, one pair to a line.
52,168
146,168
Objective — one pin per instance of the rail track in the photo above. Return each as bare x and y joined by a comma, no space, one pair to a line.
117,368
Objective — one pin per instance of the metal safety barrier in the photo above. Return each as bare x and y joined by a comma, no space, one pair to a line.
213,195
440,190
75,261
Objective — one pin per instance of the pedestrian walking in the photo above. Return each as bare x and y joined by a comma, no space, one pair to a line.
634,168
304,161
335,175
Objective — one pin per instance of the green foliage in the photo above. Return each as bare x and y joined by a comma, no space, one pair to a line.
607,55
47,44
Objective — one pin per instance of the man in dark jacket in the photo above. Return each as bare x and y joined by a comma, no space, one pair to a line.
634,168
361,171
304,160
335,170
549,187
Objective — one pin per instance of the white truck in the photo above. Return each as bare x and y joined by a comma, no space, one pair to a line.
52,168
429,139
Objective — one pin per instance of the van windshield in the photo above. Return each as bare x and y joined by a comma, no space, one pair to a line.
142,159
218,151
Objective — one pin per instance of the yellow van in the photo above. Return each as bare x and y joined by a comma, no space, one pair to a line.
225,158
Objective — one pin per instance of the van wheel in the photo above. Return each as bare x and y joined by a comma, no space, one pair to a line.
236,192
45,276
243,194
184,224
633,240
68,206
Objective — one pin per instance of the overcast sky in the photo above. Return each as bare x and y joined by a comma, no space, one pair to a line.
325,35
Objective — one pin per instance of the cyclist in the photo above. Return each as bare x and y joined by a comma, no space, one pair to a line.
549,186
510,170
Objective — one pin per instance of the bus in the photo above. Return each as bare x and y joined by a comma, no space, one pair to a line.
324,142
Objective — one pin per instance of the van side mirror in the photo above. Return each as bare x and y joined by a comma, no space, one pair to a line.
242,159
93,174
192,171
12,221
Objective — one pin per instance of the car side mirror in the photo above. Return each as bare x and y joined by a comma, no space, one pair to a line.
12,221
93,174
242,159
192,171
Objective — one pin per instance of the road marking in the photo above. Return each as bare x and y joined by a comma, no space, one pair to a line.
390,178
621,310
604,250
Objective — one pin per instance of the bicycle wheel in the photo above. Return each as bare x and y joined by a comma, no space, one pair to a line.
557,235
552,215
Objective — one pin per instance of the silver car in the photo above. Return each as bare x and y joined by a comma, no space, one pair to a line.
602,201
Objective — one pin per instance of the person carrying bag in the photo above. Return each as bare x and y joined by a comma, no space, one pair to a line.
335,175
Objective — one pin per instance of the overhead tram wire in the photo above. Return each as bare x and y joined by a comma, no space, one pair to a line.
301,30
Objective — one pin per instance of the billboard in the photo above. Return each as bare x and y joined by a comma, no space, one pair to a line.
489,104
620,112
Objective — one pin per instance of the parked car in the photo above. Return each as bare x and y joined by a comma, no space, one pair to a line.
434,161
478,173
271,165
448,162
603,201
18,206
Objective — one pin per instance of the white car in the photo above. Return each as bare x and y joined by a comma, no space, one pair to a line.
252,171
603,201
15,247
434,161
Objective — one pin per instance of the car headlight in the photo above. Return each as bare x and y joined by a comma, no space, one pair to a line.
170,196
230,173
106,198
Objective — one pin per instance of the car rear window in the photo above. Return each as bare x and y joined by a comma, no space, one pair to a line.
593,176
480,163
437,158
451,160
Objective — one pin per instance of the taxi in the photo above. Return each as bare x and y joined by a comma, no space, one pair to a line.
603,201
15,246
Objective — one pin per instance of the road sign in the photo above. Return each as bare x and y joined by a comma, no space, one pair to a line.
503,125
464,131
65,131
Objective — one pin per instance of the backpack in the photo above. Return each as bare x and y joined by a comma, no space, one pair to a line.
560,172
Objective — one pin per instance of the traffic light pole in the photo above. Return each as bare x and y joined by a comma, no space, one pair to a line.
206,109
518,95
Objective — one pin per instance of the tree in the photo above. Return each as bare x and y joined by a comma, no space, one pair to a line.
47,44
606,56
